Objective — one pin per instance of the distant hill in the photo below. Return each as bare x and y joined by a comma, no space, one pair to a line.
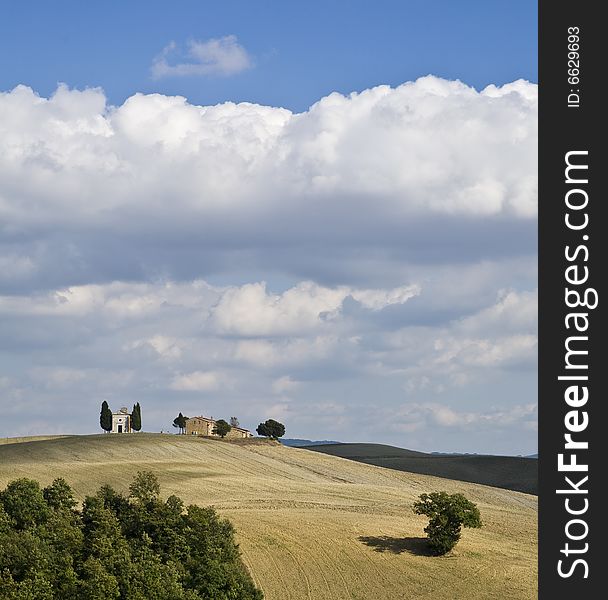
298,443
509,472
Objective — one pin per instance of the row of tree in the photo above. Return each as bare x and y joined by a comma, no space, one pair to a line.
269,428
105,417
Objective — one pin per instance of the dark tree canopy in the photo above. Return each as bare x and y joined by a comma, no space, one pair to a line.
447,514
271,428
105,417
180,422
136,417
222,428
115,548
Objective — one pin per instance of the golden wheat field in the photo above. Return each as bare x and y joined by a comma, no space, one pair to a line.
310,526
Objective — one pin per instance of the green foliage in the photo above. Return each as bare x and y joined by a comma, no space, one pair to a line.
97,583
105,417
145,487
24,503
222,428
59,495
111,499
136,417
271,428
35,588
5,521
180,422
136,548
447,514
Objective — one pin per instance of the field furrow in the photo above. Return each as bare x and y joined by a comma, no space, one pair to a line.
311,526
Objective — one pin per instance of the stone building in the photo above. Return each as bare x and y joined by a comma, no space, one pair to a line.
204,426
121,421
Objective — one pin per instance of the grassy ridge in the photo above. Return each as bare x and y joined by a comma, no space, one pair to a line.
310,526
508,472
33,438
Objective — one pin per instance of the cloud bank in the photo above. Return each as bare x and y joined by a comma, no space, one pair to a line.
372,256
159,187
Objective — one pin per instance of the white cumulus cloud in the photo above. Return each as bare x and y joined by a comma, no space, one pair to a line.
252,310
383,155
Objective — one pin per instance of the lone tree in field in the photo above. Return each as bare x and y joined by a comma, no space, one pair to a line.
222,428
447,514
180,422
136,417
105,417
271,428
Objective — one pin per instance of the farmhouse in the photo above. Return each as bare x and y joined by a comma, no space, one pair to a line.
121,421
204,426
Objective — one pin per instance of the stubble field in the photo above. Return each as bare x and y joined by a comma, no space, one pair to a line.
310,526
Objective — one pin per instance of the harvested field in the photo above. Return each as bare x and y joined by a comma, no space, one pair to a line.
310,525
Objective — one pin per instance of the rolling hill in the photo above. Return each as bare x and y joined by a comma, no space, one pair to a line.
310,526
509,472
298,443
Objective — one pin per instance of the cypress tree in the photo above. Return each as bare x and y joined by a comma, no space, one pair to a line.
105,417
136,417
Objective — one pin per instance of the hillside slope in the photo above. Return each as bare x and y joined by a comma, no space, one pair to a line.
510,472
311,526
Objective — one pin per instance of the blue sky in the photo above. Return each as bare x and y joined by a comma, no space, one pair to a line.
360,266
301,50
